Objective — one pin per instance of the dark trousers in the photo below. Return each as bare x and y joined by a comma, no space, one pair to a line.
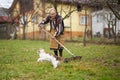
60,52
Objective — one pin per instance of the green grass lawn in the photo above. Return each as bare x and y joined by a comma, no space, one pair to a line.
18,62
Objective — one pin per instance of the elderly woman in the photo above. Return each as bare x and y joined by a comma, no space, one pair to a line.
56,29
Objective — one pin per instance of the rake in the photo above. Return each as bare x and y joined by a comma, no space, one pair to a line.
65,59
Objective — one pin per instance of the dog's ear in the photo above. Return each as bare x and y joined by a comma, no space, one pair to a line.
38,51
42,50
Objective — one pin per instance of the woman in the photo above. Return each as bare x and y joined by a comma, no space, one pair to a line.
56,29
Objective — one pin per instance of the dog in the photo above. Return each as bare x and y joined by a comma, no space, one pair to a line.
45,56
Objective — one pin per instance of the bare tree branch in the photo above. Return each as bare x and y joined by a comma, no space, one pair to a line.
67,15
116,13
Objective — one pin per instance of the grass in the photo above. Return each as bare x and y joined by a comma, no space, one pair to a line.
18,62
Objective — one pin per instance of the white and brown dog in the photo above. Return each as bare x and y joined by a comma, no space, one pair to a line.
45,56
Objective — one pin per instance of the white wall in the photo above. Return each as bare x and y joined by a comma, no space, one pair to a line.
99,21
97,26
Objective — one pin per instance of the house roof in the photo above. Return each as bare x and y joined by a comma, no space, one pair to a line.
4,19
4,15
90,3
13,5
3,12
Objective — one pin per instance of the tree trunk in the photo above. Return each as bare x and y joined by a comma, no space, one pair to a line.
114,30
109,29
24,26
43,34
84,39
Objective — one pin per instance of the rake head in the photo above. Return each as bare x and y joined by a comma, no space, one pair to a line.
73,58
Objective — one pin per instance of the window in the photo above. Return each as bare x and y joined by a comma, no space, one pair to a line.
34,19
83,20
99,18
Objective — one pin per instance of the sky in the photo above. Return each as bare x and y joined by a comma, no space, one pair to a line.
5,3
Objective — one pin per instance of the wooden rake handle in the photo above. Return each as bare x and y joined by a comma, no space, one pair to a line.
58,42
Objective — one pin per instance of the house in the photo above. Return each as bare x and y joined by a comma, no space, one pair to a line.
75,21
104,22
6,28
7,22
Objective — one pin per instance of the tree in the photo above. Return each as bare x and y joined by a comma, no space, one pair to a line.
26,11
114,6
69,8
111,20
